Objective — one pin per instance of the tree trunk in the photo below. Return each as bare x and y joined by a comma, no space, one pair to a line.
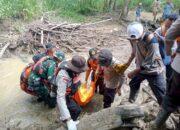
125,9
111,118
114,5
110,4
105,4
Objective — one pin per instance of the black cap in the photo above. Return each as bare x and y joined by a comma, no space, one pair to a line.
49,46
172,17
105,57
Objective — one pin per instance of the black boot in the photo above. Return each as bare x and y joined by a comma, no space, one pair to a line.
39,99
52,102
133,96
160,119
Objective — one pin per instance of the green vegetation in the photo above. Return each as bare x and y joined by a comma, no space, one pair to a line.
18,8
76,9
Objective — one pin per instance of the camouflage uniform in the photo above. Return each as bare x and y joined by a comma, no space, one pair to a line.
44,71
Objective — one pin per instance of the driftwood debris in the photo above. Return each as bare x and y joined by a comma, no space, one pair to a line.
67,36
4,49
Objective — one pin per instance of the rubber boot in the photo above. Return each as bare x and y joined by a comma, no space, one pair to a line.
39,99
52,102
133,96
160,119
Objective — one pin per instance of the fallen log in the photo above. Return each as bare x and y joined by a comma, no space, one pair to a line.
68,47
57,26
99,22
111,118
4,49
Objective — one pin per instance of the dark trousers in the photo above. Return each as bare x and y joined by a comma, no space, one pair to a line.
168,73
171,100
73,108
156,82
99,83
109,95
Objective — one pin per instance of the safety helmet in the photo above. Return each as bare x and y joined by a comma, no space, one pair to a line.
60,55
105,58
135,30
93,53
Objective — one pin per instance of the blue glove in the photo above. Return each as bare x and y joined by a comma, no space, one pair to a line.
71,125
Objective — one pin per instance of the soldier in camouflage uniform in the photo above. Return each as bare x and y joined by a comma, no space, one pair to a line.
50,50
43,75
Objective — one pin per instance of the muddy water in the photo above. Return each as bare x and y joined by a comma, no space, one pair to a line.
17,109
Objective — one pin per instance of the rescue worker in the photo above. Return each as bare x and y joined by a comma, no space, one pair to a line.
97,73
113,76
149,64
50,49
138,12
171,100
68,81
156,8
42,77
160,34
168,9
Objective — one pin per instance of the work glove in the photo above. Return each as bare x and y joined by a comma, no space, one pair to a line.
71,125
120,68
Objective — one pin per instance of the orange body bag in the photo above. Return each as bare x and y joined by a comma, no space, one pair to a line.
84,94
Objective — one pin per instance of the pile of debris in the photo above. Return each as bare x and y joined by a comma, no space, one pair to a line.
68,37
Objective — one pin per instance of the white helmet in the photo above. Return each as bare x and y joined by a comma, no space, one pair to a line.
135,30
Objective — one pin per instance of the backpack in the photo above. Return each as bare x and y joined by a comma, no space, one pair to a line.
24,79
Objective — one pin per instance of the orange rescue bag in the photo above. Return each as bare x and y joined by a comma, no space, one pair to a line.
84,94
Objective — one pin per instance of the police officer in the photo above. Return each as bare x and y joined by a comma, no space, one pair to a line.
68,81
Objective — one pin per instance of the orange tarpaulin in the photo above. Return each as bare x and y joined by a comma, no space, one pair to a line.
84,94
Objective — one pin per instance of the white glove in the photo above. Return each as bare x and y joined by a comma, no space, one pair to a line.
71,125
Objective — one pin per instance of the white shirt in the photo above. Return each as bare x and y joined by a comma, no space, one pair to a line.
63,81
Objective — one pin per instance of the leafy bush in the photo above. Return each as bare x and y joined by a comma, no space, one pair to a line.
28,9
25,9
